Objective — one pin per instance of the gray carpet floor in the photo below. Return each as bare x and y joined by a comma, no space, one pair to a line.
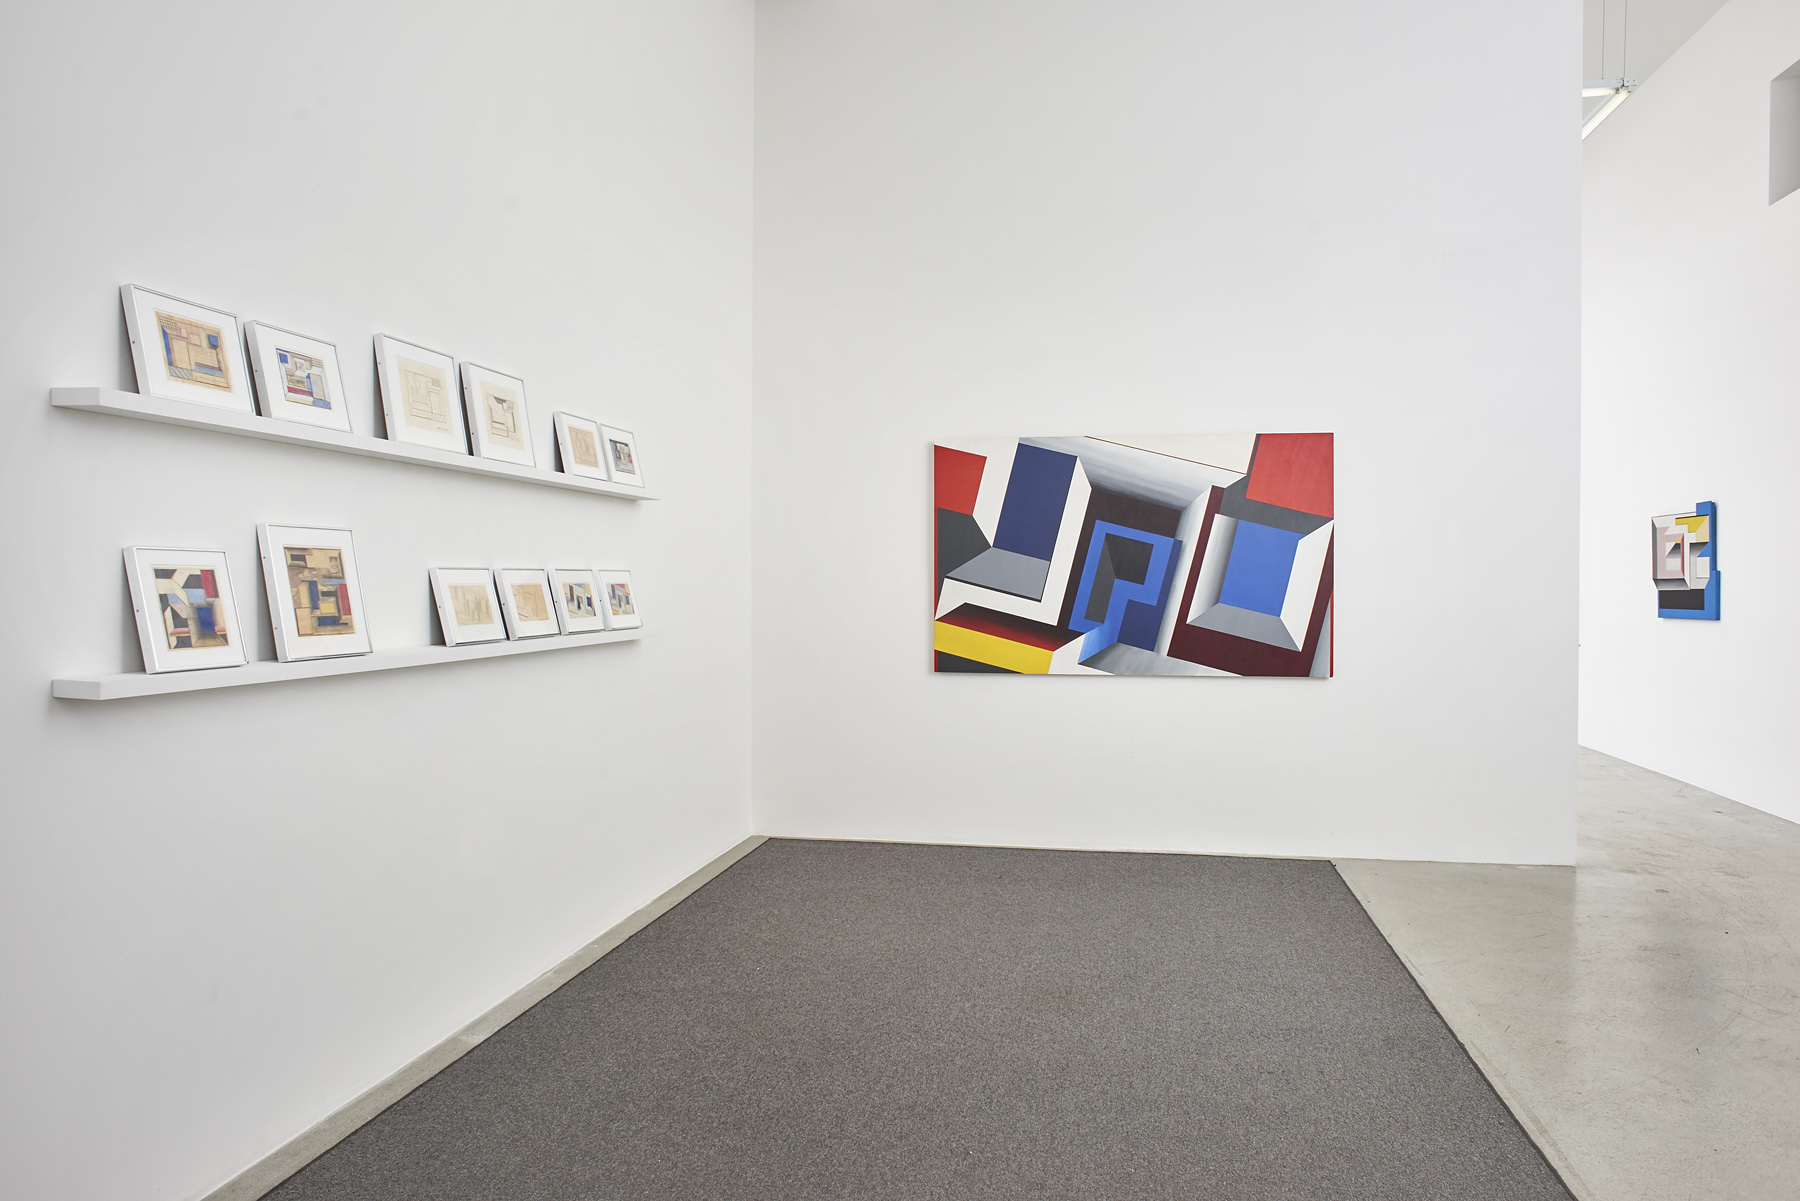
870,1021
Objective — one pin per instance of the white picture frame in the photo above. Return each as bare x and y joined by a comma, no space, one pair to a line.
623,465
419,395
186,351
297,378
468,608
315,594
576,592
499,423
186,613
621,607
578,446
528,602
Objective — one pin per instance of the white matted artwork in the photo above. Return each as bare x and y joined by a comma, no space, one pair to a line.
186,351
499,427
297,378
418,395
621,453
186,615
315,598
526,600
619,601
578,443
468,607
577,596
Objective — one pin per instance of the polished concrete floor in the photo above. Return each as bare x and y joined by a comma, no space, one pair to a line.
1641,1011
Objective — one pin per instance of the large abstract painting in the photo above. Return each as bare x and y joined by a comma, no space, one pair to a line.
1190,555
1684,562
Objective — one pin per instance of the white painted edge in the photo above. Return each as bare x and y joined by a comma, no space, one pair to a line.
275,1167
1534,1127
115,403
125,684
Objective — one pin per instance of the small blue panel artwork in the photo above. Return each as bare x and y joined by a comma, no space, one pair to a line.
1256,575
1684,563
1036,493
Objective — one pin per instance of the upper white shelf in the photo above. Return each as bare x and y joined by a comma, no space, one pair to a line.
230,421
120,685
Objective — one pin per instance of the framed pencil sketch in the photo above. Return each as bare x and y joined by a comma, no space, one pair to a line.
577,597
297,378
468,607
186,351
618,601
499,427
315,599
578,442
620,449
525,598
418,395
186,616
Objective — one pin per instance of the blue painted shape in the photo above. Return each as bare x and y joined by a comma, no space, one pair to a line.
208,624
1036,492
1133,611
312,594
1256,575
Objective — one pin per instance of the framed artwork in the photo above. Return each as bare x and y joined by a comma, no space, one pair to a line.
577,597
468,607
1158,555
527,601
620,449
578,443
297,378
186,617
618,601
498,425
418,395
1684,563
186,351
315,599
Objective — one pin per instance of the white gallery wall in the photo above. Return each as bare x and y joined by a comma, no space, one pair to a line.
1159,217
223,914
1691,392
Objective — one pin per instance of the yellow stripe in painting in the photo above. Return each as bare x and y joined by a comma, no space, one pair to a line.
986,648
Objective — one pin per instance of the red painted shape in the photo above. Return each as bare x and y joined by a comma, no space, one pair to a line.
958,479
1293,471
1008,626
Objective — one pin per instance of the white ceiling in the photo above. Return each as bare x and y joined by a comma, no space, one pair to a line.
1640,35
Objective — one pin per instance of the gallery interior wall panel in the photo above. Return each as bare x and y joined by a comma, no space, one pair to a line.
1690,366
223,914
1062,221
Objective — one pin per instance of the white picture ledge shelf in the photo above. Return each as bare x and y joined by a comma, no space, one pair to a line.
248,425
136,683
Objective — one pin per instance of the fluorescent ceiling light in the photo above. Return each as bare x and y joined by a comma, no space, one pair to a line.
1615,89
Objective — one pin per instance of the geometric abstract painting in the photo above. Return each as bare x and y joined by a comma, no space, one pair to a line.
1184,555
1684,563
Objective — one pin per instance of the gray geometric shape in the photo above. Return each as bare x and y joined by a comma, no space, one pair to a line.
1245,623
1321,664
1121,659
1234,503
1006,571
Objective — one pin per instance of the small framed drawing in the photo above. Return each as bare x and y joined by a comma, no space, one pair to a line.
468,608
578,442
525,599
577,599
498,425
621,457
297,378
186,617
620,604
315,599
418,395
185,351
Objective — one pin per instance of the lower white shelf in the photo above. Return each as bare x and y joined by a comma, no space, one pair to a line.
124,684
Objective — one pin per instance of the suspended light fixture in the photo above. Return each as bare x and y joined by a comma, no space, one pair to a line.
1615,90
